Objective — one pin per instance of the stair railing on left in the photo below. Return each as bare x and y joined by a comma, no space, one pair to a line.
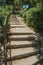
5,42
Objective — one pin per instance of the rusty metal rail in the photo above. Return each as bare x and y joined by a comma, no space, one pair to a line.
5,41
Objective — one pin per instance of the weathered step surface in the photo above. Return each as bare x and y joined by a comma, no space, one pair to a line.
20,44
26,61
22,37
21,51
22,56
21,30
20,33
17,26
15,23
18,38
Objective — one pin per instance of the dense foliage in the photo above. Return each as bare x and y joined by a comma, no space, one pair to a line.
33,16
17,4
4,12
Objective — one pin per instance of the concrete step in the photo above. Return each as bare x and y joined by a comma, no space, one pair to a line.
26,61
22,56
21,51
21,30
18,39
13,20
16,22
19,42
17,26
20,46
22,38
20,33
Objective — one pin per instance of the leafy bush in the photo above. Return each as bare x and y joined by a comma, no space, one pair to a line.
22,12
34,17
4,11
9,8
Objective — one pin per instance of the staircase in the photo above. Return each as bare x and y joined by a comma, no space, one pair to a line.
22,43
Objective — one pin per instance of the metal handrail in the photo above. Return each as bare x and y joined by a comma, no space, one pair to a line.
4,37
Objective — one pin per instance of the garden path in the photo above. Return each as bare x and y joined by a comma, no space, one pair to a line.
22,39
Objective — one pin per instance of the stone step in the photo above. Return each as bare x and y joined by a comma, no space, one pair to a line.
20,33
17,26
15,23
20,46
22,56
21,51
21,30
13,20
19,42
26,61
22,38
18,39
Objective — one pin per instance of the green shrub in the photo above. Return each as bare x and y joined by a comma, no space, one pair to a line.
4,11
22,12
34,17
31,16
9,8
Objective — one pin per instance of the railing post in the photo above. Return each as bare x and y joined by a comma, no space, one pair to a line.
5,40
5,31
